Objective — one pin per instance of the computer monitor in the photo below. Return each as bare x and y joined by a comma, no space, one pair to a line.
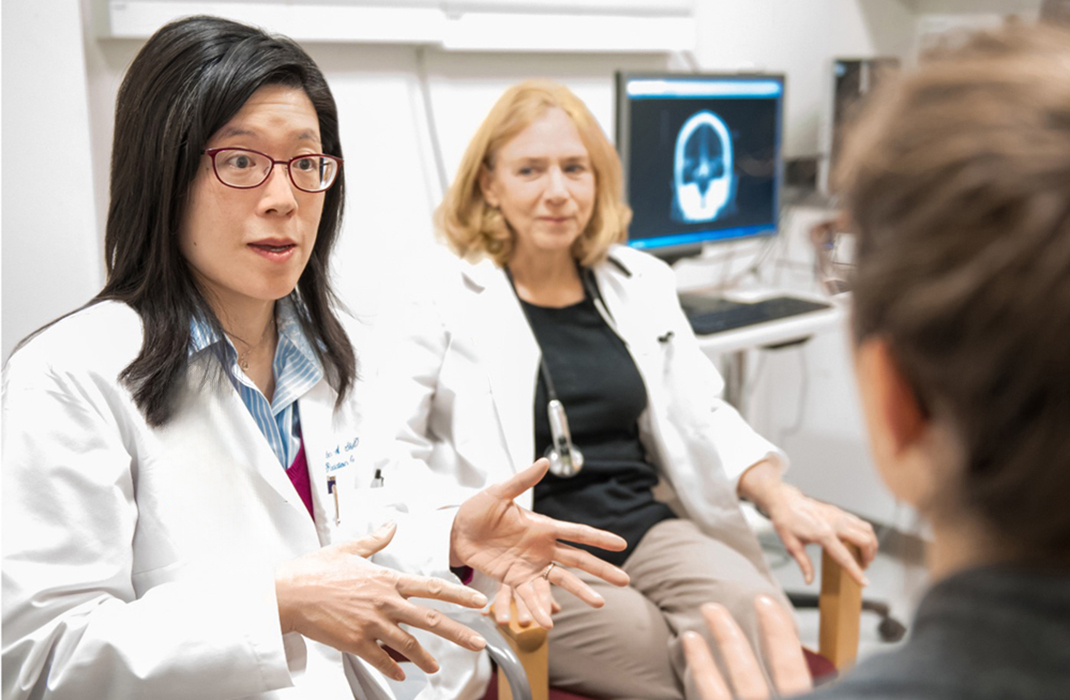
701,156
853,79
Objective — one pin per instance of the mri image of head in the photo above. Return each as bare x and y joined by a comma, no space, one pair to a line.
703,179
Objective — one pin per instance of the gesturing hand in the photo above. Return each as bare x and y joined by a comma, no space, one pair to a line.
783,653
337,597
502,607
514,546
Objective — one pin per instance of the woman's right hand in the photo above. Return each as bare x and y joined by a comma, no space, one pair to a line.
338,597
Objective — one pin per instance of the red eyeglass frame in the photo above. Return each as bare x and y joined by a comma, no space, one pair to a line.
211,153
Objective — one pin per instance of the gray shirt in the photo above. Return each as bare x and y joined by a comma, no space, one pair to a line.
981,634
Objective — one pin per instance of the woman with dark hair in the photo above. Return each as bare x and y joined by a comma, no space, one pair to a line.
165,445
958,184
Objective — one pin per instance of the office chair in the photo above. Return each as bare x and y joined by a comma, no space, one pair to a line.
840,605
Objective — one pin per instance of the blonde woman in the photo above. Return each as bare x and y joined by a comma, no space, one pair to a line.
544,314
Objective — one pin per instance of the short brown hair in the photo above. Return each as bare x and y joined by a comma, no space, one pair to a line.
957,180
473,228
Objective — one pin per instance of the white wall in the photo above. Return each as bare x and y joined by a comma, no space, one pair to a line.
801,39
390,169
52,259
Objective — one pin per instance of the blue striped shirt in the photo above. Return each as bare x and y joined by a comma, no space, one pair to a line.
296,368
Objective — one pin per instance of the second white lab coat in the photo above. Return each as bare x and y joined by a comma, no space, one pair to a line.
467,407
138,562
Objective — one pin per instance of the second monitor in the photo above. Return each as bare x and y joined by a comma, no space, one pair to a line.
701,155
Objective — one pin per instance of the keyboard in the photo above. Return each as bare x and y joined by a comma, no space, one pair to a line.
709,314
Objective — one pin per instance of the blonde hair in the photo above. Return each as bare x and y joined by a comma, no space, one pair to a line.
474,229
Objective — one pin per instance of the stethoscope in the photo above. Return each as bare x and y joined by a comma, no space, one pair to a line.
566,460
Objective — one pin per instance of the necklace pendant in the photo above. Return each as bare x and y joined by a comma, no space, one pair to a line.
243,362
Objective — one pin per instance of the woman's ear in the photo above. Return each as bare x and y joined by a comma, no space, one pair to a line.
486,186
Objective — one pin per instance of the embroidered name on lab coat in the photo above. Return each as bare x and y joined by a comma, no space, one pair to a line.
342,455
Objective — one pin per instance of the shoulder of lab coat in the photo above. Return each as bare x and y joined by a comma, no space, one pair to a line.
71,616
644,290
428,335
79,619
421,503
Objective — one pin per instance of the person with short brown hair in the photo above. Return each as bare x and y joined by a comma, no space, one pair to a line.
958,183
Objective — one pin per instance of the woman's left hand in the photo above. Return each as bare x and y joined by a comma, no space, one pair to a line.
522,549
800,520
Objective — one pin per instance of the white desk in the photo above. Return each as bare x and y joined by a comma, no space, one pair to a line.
731,346
778,332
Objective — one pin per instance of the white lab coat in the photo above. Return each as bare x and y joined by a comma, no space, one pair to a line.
468,405
138,562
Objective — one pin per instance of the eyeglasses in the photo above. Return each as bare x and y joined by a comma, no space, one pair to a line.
834,254
244,169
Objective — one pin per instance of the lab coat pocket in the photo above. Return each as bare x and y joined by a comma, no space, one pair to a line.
365,502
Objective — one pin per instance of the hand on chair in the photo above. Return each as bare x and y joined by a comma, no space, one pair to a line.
745,680
522,549
800,520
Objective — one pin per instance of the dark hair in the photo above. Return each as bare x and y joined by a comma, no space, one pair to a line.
187,82
958,183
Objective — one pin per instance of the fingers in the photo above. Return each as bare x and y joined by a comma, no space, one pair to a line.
405,645
797,551
502,607
439,589
708,680
377,657
585,534
783,650
841,555
524,616
743,670
521,481
535,594
860,533
435,622
560,576
371,543
585,561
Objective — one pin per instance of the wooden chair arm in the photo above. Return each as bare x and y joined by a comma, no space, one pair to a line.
841,611
532,648
840,604
524,639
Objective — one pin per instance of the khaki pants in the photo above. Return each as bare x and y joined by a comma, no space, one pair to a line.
630,649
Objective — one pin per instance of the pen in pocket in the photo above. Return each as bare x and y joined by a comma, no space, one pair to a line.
332,488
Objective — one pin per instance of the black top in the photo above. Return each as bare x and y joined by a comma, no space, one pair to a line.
986,634
603,394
